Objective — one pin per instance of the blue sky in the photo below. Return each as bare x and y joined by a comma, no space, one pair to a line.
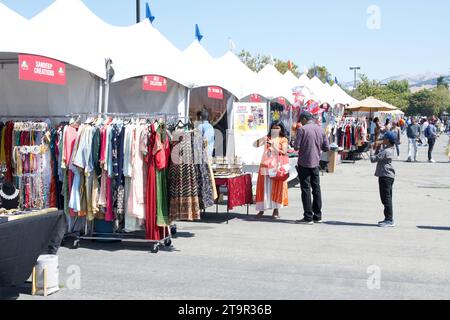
413,36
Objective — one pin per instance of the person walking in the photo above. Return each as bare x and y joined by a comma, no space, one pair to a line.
431,135
272,194
424,126
386,175
396,130
310,142
413,132
377,130
372,130
388,125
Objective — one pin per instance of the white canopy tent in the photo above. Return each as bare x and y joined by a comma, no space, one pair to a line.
55,33
303,80
238,75
142,50
273,84
340,96
291,80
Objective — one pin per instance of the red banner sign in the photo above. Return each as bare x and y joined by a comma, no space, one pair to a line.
40,69
255,98
154,83
215,93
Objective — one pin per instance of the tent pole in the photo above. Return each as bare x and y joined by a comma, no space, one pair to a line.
188,102
100,95
106,96
107,83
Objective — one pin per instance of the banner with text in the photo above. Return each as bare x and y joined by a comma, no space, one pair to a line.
215,93
154,83
41,69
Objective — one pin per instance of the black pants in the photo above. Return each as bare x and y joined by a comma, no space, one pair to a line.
310,181
386,185
431,143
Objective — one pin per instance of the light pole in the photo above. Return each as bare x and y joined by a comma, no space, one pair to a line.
138,11
355,69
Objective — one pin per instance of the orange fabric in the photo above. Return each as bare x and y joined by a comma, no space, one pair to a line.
279,188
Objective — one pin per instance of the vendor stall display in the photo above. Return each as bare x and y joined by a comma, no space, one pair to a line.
225,167
238,189
27,237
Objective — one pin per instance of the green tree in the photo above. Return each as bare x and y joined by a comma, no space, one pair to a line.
258,62
443,98
395,92
283,67
442,83
322,73
424,103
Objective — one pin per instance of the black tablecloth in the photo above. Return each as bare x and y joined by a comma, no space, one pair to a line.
23,241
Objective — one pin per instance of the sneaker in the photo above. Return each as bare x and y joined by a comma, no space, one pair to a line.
318,221
305,222
409,160
432,161
386,224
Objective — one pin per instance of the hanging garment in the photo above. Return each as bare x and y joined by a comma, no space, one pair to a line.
8,144
161,154
152,230
136,199
183,180
206,193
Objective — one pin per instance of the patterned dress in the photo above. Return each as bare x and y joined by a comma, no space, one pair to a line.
183,179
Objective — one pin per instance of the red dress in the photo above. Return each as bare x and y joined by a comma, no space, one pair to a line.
152,230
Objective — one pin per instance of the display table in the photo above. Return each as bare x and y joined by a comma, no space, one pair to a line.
23,241
239,189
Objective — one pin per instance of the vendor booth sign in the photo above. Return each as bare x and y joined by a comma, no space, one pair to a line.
40,69
250,124
215,93
154,83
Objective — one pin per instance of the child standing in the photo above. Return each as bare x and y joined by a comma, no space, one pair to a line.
386,175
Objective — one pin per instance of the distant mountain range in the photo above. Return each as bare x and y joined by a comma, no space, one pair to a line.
416,82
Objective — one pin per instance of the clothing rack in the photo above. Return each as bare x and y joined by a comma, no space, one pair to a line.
90,235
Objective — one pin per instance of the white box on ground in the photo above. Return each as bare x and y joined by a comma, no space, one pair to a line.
49,265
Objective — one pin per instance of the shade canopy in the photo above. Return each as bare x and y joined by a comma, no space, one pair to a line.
371,105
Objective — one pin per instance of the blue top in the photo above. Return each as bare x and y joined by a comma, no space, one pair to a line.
209,135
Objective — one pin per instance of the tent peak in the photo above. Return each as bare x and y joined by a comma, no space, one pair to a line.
10,15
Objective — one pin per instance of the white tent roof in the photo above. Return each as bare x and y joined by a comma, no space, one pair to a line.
290,79
72,34
238,75
340,96
273,84
66,30
317,90
10,18
14,24
142,50
201,68
304,80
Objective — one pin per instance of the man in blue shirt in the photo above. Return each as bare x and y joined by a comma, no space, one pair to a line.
207,131
431,135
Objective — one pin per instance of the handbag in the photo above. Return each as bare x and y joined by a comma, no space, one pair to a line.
281,168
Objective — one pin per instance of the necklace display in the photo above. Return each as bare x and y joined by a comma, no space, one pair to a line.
9,197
